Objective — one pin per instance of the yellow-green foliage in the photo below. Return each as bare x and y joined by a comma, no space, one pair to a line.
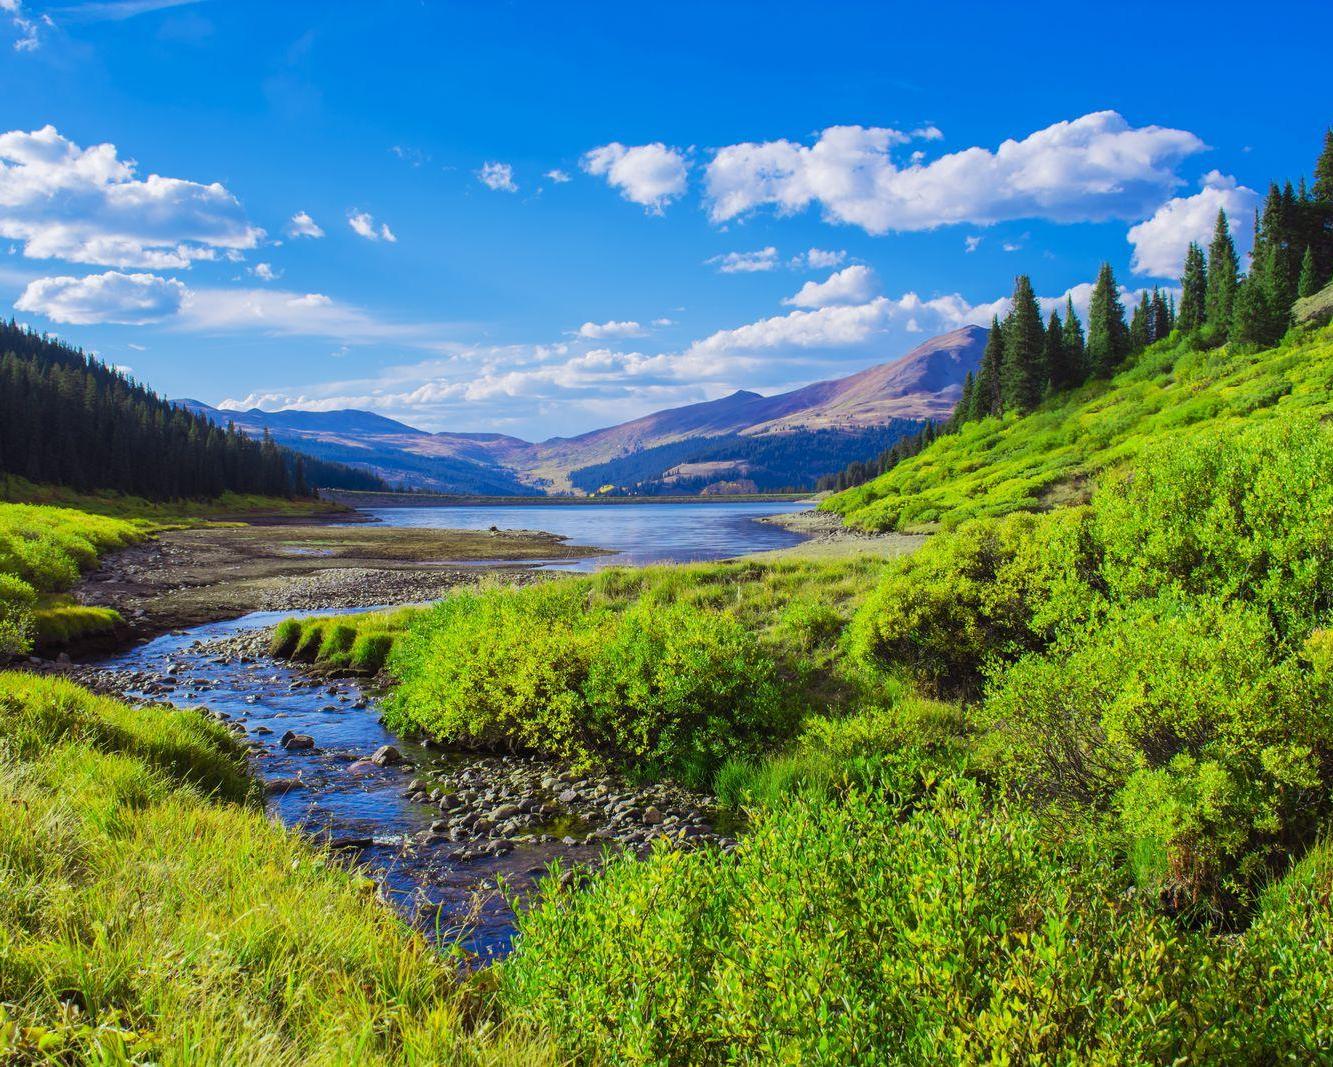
1173,391
1161,653
150,912
360,642
58,624
915,923
42,550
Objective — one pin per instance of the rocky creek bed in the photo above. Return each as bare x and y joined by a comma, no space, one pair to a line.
450,836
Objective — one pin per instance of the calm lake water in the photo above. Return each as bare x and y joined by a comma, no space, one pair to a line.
633,534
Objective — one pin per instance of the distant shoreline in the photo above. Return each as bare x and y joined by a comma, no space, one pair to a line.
363,499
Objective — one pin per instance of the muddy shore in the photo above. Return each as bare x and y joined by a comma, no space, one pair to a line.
184,578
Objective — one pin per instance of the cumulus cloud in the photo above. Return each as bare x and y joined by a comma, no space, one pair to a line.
112,297
746,262
651,174
88,206
972,243
819,259
602,330
265,272
1093,168
302,225
364,224
851,285
558,176
1160,242
497,176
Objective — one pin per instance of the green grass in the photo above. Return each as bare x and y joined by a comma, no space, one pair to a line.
1172,392
149,912
43,550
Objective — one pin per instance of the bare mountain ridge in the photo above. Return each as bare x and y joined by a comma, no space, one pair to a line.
923,384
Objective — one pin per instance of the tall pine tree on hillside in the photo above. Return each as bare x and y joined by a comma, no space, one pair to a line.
1163,315
1108,336
1022,373
1140,324
986,391
1309,280
1076,358
1223,265
1321,199
1058,369
1193,290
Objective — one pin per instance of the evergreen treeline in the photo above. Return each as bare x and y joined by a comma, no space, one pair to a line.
68,419
1026,360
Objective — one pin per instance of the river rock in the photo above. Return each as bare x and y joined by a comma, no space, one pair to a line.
652,816
291,741
386,755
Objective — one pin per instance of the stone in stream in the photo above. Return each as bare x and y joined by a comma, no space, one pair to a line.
292,741
362,766
283,785
386,755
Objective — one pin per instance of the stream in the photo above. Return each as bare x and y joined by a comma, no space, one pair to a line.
450,836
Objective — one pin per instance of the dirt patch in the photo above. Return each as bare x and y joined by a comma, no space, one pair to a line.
828,538
185,578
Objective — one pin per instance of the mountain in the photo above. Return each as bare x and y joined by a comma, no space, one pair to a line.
854,416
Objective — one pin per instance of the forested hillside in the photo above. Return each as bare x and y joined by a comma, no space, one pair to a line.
68,419
1052,405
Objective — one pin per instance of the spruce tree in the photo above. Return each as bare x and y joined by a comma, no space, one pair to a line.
1075,356
1060,373
1108,336
1222,275
963,409
1140,325
1321,212
1309,283
986,390
1163,315
1193,290
1022,373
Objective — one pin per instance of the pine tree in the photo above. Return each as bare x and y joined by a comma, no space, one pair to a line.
1022,373
1074,353
1321,213
1309,283
1140,325
1058,369
1108,336
1193,290
1222,275
1163,315
986,391
963,409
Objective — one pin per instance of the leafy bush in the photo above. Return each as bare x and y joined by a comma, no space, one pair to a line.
932,928
370,652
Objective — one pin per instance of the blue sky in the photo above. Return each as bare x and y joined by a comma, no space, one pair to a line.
538,218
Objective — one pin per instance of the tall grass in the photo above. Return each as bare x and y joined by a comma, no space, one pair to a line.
149,912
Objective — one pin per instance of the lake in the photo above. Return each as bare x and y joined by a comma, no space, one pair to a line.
633,534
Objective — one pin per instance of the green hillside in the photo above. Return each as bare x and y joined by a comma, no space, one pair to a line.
1173,390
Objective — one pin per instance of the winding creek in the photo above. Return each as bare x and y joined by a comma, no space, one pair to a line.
449,835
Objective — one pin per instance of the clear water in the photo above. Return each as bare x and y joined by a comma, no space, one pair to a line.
632,534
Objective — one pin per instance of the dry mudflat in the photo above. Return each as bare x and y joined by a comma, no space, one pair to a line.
183,578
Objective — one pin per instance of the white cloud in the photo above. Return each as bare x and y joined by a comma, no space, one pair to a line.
112,297
27,29
1094,168
603,330
746,262
118,10
265,272
1160,242
851,285
497,176
364,224
302,225
971,244
87,206
820,259
558,176
664,322
652,174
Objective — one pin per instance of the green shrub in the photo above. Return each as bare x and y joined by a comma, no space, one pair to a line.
925,929
336,643
992,590
678,690
17,598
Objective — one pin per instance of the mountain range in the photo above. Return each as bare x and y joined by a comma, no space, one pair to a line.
744,440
